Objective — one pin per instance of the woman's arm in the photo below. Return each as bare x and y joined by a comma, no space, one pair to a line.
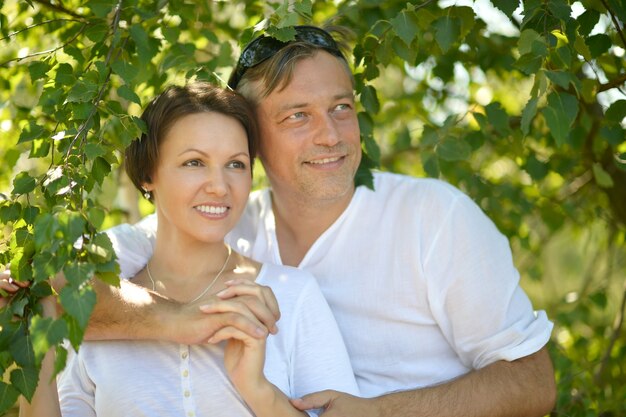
45,401
244,359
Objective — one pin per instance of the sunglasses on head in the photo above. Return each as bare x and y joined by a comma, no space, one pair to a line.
264,47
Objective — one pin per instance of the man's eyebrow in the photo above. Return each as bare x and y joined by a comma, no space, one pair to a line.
291,106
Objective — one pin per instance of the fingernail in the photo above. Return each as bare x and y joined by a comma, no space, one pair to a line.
211,340
260,331
221,293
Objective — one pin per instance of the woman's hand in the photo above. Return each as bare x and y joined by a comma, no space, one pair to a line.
244,356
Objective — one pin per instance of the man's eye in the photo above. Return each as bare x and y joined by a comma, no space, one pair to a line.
298,115
343,106
192,163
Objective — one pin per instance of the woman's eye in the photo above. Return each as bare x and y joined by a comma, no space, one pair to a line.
237,165
192,163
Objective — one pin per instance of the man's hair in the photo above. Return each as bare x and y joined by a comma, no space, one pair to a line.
276,72
141,156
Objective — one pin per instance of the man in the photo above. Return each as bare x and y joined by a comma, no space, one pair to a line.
421,283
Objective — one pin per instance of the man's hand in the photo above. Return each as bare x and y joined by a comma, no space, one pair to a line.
8,287
337,404
132,312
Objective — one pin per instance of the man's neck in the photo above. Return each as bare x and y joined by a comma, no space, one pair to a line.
300,222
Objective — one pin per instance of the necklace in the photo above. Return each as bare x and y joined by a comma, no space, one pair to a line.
208,286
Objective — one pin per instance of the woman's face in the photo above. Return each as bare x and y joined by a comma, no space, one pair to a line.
202,178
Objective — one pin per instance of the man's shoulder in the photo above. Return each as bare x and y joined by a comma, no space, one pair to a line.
387,183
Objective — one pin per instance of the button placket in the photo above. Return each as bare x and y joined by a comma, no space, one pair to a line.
187,393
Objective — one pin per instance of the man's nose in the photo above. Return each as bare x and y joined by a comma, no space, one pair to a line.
327,132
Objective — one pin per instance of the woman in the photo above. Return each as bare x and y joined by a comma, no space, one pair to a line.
195,164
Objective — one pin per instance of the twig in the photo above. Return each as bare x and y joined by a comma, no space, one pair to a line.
58,8
615,22
49,51
10,35
613,83
617,328
83,127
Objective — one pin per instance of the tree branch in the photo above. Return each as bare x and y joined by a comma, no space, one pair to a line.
613,83
10,35
615,22
49,51
58,8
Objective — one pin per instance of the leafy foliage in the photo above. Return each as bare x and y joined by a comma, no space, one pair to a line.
528,120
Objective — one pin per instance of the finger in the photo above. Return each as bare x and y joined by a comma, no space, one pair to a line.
8,286
231,332
244,321
241,287
320,399
255,306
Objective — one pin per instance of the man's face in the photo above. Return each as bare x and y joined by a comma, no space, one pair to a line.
309,144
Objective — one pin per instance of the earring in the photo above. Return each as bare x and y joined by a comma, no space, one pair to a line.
146,194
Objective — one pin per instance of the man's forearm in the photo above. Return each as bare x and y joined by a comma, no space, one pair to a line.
128,312
524,387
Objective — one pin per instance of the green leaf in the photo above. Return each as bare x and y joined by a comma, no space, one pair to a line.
560,9
25,380
93,150
38,70
126,70
101,168
45,265
526,40
507,6
8,396
560,78
96,216
616,112
406,26
22,350
528,114
369,99
97,32
598,44
34,131
447,32
23,184
453,149
46,333
79,272
10,212
587,21
125,92
602,177
45,228
498,118
560,114
82,91
529,63
78,303
65,75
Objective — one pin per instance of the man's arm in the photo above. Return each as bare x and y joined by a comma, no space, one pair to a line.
132,312
524,387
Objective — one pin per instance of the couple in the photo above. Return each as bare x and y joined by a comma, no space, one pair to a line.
421,283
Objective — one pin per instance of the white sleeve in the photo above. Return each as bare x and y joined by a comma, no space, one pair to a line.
76,390
319,358
133,244
474,291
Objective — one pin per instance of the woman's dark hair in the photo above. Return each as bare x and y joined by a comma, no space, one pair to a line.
176,102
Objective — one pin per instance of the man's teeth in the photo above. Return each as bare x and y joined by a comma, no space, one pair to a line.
324,161
212,209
